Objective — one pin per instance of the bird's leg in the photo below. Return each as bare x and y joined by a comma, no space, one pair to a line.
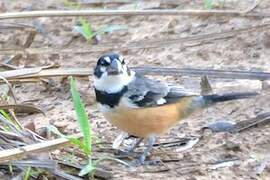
130,149
151,141
119,139
135,144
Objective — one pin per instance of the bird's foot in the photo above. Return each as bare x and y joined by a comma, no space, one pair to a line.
124,153
129,151
142,161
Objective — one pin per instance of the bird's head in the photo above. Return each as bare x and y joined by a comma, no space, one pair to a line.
111,73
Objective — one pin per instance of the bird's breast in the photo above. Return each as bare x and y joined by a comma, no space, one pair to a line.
143,122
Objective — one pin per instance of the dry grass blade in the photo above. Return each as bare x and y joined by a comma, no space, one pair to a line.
167,2
22,108
10,135
203,72
205,86
99,173
18,81
19,72
16,26
40,72
7,123
59,13
34,74
10,89
44,163
45,146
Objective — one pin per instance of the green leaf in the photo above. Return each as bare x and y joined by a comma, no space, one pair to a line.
75,141
208,4
82,118
87,169
85,29
27,174
5,115
54,130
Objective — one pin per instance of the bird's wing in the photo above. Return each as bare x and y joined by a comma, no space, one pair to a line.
144,92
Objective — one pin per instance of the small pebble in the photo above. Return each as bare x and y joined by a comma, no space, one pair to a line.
221,126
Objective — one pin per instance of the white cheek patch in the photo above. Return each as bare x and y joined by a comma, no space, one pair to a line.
107,59
102,69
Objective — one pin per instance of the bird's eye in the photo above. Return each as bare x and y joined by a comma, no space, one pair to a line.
104,63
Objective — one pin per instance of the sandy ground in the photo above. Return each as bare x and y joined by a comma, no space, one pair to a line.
248,51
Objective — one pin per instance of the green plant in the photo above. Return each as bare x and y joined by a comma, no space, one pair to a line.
82,117
27,174
85,127
84,27
210,4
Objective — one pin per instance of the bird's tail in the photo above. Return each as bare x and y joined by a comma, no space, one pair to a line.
189,105
215,98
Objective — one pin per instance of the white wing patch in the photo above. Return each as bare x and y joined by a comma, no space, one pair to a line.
161,101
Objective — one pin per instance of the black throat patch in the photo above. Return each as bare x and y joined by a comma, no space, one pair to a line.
110,99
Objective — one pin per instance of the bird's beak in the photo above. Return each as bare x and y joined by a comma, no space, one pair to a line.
114,68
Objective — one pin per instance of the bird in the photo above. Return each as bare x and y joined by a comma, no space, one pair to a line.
144,107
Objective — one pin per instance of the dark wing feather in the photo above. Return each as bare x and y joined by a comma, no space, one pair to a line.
145,92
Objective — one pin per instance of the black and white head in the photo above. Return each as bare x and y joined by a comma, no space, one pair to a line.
111,73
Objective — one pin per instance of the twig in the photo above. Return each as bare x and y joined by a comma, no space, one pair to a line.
59,13
36,73
30,38
45,146
261,118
